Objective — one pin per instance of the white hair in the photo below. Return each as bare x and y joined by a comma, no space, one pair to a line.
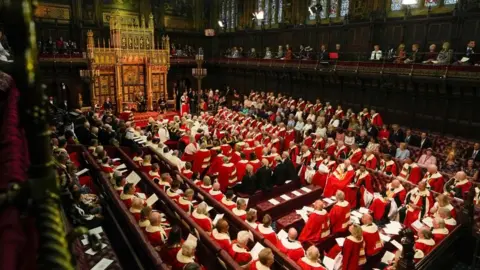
202,208
340,195
188,248
243,237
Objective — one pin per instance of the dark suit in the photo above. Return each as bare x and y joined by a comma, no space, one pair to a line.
264,179
248,185
469,154
412,140
323,56
426,144
107,105
397,136
280,173
83,135
373,131
291,172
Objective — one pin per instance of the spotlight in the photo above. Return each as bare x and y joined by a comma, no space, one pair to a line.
220,23
409,2
259,15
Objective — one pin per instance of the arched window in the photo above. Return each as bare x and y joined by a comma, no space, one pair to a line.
228,14
450,2
334,8
272,10
396,5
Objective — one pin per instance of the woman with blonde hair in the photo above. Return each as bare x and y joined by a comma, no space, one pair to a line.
400,55
445,55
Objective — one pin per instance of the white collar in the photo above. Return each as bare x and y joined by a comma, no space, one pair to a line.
227,202
370,228
342,204
124,196
353,239
322,212
239,249
134,211
428,242
291,245
199,216
215,192
310,263
261,266
238,212
184,259
252,224
265,230
154,229
450,221
463,182
440,231
220,236
182,200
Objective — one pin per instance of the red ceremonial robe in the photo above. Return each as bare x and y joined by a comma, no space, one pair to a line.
257,265
435,181
216,194
370,162
181,261
174,195
203,221
185,204
190,150
307,264
411,172
235,157
422,247
450,224
338,180
388,167
241,167
339,217
136,213
377,120
127,199
378,205
256,164
268,233
289,137
330,149
304,161
226,149
308,141
439,234
216,164
222,239
293,249
242,214
422,199
201,160
228,203
227,176
293,152
371,236
316,229
240,254
355,156
187,173
320,176
206,188
353,252
156,235
319,144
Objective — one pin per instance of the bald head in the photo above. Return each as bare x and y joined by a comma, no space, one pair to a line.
461,175
265,162
292,234
313,254
318,205
137,203
432,168
367,219
155,219
222,226
347,162
395,183
216,186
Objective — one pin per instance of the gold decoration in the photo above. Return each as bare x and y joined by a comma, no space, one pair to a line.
53,12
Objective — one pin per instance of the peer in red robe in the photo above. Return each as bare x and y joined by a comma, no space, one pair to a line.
222,238
362,181
317,227
216,164
355,154
423,246
339,215
292,248
155,233
320,177
371,236
304,160
185,202
319,143
256,164
353,252
340,179
419,201
203,220
369,160
458,186
388,166
268,233
376,119
239,252
190,150
434,179
307,264
411,171
293,152
330,147
439,233
229,203
395,193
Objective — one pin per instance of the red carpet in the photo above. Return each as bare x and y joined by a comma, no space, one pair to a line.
141,118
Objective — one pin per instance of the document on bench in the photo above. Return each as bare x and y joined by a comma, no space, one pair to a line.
192,238
333,264
428,221
354,219
273,201
217,218
385,238
417,225
306,189
133,178
397,245
255,250
123,171
91,252
120,167
141,195
209,208
357,214
85,241
152,199
388,257
96,231
340,241
296,193
246,200
81,172
282,234
102,264
308,209
288,181
363,210
285,197
328,200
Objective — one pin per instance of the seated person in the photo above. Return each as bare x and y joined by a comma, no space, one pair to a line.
265,260
431,55
200,216
450,222
371,236
128,194
386,208
252,218
164,182
239,251
185,255
146,164
206,184
240,210
144,221
155,232
443,201
290,246
137,206
216,193
317,227
424,244
439,230
340,214
174,192
185,202
458,186
427,159
415,56
221,236
249,181
120,182
82,214
311,260
227,200
469,58
376,53
266,229
173,245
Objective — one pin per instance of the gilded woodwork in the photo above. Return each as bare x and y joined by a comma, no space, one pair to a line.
128,62
53,13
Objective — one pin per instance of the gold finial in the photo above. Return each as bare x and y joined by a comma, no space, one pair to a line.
143,22
104,43
150,21
98,42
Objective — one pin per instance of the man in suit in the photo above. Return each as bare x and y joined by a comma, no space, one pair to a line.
107,105
425,142
83,133
291,172
473,152
397,135
411,139
323,54
249,181
280,172
264,177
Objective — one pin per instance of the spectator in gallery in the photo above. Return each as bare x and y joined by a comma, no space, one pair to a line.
470,169
323,54
415,56
338,51
376,54
402,152
473,152
107,105
350,138
252,53
445,55
431,55
280,53
427,159
400,55
289,54
450,165
268,53
469,57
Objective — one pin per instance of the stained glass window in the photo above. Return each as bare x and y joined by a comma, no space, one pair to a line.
233,14
333,8
266,10
311,10
273,11
450,2
228,14
396,5
344,8
431,3
323,13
